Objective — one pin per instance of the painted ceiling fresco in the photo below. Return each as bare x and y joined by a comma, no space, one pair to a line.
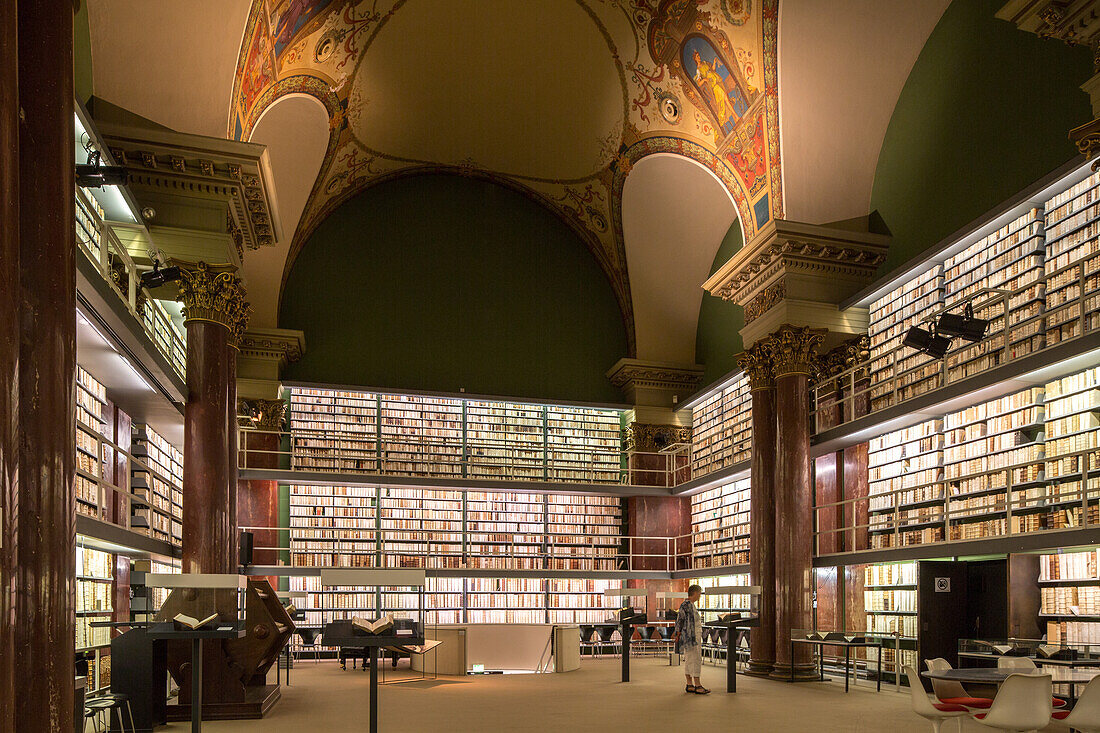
555,98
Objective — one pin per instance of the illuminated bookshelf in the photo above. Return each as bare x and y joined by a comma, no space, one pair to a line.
91,428
909,461
1009,259
1072,426
720,525
1069,586
94,602
891,316
988,448
588,525
1072,226
890,609
421,528
580,601
342,431
158,486
722,429
717,603
505,530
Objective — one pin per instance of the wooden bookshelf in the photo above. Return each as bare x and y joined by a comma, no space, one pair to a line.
720,525
1009,259
417,435
909,461
352,526
505,600
1073,425
88,215
1070,591
891,316
1072,228
583,532
580,601
722,429
987,449
91,429
95,579
890,608
157,486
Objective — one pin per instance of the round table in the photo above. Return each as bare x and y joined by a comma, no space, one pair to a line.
997,675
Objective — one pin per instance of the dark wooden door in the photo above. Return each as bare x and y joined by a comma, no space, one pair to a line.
941,610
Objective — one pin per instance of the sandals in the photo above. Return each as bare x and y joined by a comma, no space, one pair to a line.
689,688
700,690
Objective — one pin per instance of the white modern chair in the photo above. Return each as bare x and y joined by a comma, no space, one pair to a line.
952,692
1020,663
1022,704
1085,716
933,712
1026,666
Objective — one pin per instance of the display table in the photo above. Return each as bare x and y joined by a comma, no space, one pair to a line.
847,646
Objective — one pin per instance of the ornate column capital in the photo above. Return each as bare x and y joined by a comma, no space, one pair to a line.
212,293
794,349
757,363
845,356
650,438
263,414
239,325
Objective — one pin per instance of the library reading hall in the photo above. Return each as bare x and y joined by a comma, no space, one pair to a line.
583,365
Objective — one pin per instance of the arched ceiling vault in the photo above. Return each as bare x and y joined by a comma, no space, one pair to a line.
555,98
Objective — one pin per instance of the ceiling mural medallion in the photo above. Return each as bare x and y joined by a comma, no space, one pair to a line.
554,98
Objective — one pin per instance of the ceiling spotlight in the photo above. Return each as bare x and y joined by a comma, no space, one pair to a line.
157,277
928,342
965,326
94,175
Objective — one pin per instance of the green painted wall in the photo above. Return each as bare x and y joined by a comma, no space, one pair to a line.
718,335
441,282
983,114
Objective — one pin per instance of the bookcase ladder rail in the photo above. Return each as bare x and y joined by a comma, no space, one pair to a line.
1066,492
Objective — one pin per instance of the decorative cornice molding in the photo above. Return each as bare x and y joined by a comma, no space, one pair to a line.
277,344
262,414
194,166
820,263
794,350
845,356
653,374
212,293
649,438
758,365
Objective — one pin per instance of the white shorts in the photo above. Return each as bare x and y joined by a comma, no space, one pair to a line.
693,660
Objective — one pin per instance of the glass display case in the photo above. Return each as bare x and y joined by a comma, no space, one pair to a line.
632,604
211,605
978,652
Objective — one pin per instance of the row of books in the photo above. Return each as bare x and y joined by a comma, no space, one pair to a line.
720,523
722,429
1071,600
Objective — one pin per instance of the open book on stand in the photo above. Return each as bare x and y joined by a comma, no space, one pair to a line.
375,627
193,623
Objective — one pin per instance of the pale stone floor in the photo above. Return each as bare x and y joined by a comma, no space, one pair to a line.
324,698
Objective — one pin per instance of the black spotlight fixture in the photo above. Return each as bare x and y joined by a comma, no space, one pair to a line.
157,277
926,341
965,326
94,175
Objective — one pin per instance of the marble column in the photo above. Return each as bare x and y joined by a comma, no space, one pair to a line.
793,352
9,356
756,361
213,300
659,517
46,462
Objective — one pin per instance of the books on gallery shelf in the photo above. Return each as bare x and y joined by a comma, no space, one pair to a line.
193,623
376,627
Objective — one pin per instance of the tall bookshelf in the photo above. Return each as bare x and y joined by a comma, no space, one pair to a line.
1009,259
719,603
909,461
1069,586
580,601
1072,223
722,429
505,600
91,428
94,602
1072,426
720,525
368,526
891,316
333,526
157,486
421,436
590,526
334,430
417,435
421,528
890,607
988,448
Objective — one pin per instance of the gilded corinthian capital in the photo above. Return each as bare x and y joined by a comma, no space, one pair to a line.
757,363
212,293
794,349
265,414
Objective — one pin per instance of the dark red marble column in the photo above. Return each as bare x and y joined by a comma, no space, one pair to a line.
231,429
827,491
45,568
793,350
213,301
9,355
659,517
854,476
758,366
